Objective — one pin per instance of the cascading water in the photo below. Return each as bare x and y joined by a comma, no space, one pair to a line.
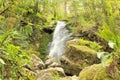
60,36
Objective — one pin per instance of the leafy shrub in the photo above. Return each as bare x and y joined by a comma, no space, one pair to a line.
12,56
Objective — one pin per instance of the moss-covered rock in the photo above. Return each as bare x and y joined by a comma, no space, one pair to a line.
92,35
51,74
28,74
96,72
36,63
46,76
30,70
38,70
79,56
70,67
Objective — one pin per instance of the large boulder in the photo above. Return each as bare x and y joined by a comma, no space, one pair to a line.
79,55
97,72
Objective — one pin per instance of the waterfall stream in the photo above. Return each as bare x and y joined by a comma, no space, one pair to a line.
60,36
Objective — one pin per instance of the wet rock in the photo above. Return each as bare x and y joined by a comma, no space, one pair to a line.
52,62
50,73
47,30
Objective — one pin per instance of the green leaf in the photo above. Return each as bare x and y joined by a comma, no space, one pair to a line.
106,60
22,10
1,1
2,17
100,54
111,44
31,10
2,61
28,30
39,15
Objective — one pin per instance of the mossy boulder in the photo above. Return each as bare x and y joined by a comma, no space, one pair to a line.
79,54
97,72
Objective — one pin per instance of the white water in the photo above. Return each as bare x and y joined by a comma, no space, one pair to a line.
60,36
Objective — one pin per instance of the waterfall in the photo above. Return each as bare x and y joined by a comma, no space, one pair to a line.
60,36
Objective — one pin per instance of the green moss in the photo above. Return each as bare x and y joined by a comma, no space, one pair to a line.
95,72
81,55
27,74
50,74
90,44
84,49
56,76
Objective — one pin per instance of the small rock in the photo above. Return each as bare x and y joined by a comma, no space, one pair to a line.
46,76
36,63
52,62
70,78
49,73
27,73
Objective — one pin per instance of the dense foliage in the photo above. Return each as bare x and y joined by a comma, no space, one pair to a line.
22,23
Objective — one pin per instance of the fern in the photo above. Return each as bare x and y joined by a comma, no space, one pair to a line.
109,35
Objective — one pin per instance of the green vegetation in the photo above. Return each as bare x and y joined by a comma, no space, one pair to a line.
97,72
22,24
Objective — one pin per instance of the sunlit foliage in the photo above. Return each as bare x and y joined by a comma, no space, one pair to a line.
22,23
